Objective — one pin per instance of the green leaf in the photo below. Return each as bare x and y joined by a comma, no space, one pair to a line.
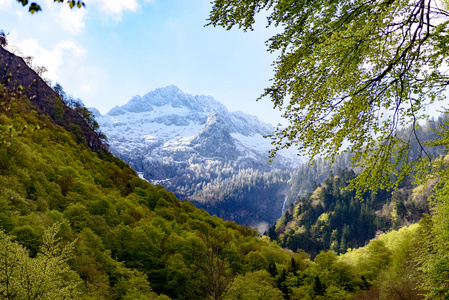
349,76
34,8
24,2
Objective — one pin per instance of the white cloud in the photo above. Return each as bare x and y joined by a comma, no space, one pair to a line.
12,6
19,15
6,3
51,59
72,19
69,19
73,46
116,7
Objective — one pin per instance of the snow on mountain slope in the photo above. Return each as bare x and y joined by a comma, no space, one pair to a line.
197,149
168,122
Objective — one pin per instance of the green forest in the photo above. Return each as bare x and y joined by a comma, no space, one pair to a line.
78,223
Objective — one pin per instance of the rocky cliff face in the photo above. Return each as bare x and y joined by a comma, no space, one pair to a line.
15,73
215,141
186,142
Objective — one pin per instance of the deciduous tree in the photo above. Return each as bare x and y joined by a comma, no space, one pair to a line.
47,276
349,73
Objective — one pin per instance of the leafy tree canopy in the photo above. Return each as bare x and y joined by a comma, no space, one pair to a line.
34,7
350,73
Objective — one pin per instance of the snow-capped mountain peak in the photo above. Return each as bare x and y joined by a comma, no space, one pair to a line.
182,126
170,96
198,150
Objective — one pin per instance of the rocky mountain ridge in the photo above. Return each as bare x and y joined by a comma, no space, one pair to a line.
15,74
185,142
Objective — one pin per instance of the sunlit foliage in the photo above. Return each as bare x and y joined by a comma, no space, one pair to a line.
349,74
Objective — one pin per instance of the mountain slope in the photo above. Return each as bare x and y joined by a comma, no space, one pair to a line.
170,121
113,235
191,144
331,218
130,238
15,73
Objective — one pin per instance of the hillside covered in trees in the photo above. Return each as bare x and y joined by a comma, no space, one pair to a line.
125,237
78,223
332,218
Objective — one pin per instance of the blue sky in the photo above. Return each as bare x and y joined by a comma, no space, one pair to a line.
115,49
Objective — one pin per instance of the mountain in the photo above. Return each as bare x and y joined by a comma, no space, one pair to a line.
78,223
169,123
191,144
14,72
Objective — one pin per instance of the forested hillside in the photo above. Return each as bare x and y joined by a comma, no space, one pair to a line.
331,218
127,237
305,179
78,223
